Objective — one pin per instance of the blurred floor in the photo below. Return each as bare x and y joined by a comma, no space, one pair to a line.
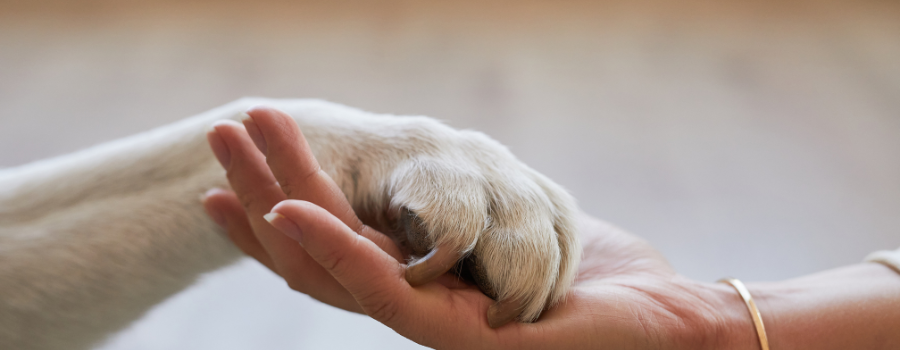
759,140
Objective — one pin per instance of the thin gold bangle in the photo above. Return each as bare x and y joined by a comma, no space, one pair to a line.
751,306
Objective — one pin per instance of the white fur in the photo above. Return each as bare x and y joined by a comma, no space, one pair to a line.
91,240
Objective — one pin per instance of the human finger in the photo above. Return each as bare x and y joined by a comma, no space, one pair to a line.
298,173
431,315
292,162
226,210
257,191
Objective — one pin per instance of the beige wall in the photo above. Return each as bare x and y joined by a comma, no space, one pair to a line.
760,141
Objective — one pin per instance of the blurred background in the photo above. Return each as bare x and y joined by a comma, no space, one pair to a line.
757,139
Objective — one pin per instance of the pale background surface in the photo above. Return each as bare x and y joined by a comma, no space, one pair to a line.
755,140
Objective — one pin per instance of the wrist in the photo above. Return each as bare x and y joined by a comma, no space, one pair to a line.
731,327
717,319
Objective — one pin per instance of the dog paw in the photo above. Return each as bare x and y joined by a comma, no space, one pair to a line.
463,202
454,200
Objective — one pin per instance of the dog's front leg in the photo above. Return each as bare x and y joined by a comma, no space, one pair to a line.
91,240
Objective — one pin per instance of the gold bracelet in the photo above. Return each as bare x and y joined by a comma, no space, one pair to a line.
751,306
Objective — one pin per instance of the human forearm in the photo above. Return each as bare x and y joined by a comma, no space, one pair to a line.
853,307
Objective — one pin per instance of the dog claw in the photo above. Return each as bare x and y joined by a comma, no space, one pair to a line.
437,262
503,312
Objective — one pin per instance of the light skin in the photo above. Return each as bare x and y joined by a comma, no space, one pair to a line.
626,296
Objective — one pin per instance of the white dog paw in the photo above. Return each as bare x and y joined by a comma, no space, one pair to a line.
464,202
455,199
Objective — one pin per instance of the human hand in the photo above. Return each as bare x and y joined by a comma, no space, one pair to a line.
626,295
396,171
259,182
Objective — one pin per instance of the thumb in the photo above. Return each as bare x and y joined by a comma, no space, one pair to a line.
374,278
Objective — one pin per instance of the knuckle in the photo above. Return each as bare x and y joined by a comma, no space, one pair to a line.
289,189
335,262
293,187
380,307
246,199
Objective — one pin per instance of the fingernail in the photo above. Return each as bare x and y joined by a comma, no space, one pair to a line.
285,225
253,131
208,193
219,148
